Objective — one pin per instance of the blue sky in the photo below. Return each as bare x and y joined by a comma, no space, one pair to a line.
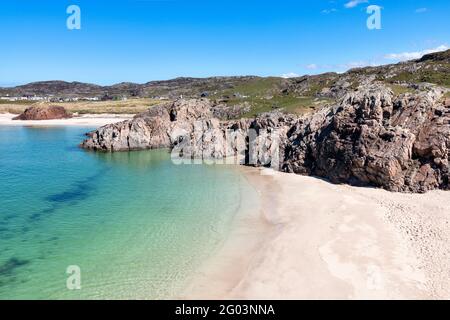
143,40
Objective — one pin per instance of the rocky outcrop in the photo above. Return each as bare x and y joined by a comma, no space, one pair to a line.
159,127
44,113
369,138
226,112
447,102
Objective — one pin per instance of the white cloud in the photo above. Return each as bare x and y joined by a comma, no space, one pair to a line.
341,67
354,3
421,10
290,75
356,64
414,55
376,61
328,11
312,66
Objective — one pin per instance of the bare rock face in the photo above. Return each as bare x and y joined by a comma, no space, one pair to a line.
44,113
447,102
225,112
369,138
159,127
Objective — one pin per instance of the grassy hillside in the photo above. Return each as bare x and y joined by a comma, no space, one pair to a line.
296,95
267,94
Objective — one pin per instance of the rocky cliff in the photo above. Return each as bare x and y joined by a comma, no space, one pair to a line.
160,127
370,137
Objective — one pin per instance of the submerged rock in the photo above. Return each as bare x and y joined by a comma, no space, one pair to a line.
44,113
368,138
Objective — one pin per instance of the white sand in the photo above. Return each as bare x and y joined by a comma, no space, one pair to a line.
96,120
316,240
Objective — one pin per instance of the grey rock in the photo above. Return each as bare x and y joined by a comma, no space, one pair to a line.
225,112
159,127
369,138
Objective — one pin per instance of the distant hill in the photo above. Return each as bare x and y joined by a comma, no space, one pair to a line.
57,88
174,87
262,93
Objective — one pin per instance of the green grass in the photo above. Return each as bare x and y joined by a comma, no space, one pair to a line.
315,88
20,102
403,77
287,104
257,93
398,89
437,77
254,88
316,85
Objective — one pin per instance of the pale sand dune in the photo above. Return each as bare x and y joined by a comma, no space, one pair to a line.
316,240
84,120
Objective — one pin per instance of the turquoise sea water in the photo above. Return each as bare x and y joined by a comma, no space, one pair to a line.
137,225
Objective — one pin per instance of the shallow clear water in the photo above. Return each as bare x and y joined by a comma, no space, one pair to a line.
137,225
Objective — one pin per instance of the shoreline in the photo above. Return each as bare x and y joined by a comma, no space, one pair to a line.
226,267
83,120
317,240
310,239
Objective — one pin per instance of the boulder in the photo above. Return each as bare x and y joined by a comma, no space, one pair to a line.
44,113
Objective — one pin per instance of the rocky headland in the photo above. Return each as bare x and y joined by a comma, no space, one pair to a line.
371,137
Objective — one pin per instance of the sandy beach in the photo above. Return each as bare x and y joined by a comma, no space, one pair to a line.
315,240
95,120
310,239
